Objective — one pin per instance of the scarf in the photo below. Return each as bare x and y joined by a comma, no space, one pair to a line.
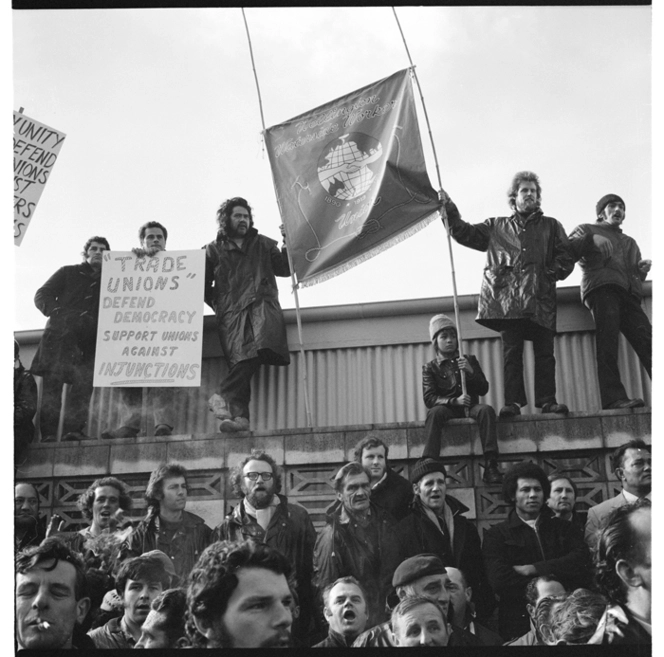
263,516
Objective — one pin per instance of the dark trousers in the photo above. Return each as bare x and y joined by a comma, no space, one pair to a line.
236,387
78,401
616,311
545,362
162,406
437,416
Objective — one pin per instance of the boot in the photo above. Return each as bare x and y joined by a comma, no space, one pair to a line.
509,410
238,424
217,404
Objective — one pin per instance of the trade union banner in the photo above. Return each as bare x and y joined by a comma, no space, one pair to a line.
350,178
36,150
150,330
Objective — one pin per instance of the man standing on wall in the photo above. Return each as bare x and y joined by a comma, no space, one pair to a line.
241,288
527,253
66,353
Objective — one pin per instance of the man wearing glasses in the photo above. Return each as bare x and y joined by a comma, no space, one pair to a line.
265,516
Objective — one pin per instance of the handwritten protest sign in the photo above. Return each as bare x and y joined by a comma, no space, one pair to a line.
150,320
36,149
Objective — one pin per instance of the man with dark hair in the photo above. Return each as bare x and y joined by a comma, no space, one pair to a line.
632,464
268,517
418,623
623,573
575,620
537,589
66,353
139,581
388,490
345,609
167,526
241,288
28,528
530,542
164,627
50,597
436,524
527,253
562,497
152,236
238,597
357,540
463,610
611,287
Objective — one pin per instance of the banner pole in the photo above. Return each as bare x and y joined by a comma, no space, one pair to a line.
443,214
303,363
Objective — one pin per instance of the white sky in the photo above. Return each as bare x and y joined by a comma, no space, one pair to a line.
162,121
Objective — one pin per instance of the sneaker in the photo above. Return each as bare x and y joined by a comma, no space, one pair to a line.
163,430
510,410
121,432
231,426
625,403
75,435
217,404
553,407
492,475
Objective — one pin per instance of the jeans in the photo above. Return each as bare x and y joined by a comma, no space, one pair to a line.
437,416
78,401
236,387
616,311
162,406
545,362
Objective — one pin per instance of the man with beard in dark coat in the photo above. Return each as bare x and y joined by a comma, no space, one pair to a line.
530,543
526,254
268,517
388,489
358,540
241,288
66,353
436,525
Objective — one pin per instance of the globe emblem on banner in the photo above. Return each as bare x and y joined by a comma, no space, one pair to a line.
343,167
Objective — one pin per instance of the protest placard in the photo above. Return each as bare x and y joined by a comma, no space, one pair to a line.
36,149
150,320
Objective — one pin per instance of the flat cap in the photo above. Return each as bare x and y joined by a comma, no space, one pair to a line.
164,559
416,567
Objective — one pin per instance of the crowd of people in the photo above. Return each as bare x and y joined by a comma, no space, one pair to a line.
398,562
265,578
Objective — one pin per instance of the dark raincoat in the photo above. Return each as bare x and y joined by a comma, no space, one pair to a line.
70,300
525,258
241,288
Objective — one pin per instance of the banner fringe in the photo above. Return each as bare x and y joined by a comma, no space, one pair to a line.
393,241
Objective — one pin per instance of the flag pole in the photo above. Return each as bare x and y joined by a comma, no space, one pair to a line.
303,363
443,214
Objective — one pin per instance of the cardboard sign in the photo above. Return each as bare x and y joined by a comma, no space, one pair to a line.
36,150
150,320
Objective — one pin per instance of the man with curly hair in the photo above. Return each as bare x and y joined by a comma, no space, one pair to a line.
265,515
66,353
164,628
238,597
167,526
531,542
241,288
527,253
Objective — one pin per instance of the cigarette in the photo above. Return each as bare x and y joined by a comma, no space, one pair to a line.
44,625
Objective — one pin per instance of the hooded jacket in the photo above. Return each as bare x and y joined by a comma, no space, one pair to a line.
525,258
241,288
417,534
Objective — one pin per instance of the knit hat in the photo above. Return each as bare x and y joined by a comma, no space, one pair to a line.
425,467
605,200
417,567
437,323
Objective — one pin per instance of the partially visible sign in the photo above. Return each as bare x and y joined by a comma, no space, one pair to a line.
150,320
36,150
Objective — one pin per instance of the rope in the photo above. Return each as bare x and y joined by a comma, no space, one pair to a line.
442,210
303,364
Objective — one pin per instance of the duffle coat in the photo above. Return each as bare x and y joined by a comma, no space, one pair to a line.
525,258
241,288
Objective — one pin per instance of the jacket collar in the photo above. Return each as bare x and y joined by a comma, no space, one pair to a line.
454,504
237,514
